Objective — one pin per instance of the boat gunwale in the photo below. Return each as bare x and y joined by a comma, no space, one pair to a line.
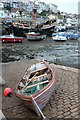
33,34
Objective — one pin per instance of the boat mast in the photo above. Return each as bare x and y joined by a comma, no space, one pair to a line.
20,8
34,13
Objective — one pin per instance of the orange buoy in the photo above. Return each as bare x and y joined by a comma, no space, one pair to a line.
7,92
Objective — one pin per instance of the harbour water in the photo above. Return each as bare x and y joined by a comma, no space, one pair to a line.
62,53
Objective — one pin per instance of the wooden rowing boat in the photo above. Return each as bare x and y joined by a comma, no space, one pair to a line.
37,85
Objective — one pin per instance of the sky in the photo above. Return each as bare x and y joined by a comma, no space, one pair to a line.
69,6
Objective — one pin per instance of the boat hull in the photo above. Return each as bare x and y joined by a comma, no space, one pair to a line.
47,30
4,40
59,38
72,37
33,37
68,35
41,97
20,31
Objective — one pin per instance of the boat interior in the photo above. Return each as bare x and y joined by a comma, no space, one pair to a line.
35,81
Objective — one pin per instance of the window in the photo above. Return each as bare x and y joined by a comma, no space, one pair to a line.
1,14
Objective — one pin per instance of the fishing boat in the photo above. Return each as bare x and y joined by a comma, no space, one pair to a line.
10,38
44,26
47,29
37,86
33,36
20,29
59,36
72,36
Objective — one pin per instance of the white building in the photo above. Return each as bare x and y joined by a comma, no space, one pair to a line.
1,5
2,14
42,6
53,8
2,11
79,12
27,7
72,21
15,4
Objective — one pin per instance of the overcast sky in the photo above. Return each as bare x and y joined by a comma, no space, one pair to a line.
70,6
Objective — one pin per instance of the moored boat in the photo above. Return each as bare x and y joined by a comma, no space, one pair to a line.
20,29
59,36
38,84
65,35
48,29
10,38
33,36
72,36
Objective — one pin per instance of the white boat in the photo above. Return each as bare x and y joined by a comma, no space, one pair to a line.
33,36
59,38
70,35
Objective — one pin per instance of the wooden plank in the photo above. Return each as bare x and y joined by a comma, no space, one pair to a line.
30,80
43,75
37,84
39,69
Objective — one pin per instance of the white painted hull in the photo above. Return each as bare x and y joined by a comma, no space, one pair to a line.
59,38
35,36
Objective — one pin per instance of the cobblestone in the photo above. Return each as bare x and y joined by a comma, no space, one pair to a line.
73,110
67,113
64,102
74,114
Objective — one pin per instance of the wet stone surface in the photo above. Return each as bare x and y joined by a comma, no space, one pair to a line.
63,53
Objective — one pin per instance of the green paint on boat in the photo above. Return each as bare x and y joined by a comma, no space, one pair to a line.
33,89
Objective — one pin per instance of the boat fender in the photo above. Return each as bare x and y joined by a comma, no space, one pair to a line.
7,92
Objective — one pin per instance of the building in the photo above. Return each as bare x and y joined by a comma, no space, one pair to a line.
79,12
26,7
2,14
1,5
42,6
53,8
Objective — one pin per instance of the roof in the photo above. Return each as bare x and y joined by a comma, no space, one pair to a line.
14,10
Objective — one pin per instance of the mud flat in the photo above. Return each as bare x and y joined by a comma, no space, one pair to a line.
61,53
